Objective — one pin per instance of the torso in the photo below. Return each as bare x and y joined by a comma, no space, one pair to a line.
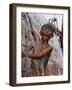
42,46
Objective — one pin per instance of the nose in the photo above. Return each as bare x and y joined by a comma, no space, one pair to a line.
46,31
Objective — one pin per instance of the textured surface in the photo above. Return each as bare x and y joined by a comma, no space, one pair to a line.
30,27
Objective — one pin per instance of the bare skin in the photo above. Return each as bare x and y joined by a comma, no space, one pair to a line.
45,36
45,52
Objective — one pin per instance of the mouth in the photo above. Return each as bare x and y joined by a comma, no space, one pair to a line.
45,37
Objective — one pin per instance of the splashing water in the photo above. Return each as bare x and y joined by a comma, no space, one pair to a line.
37,21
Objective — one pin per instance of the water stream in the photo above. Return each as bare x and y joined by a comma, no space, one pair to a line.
30,28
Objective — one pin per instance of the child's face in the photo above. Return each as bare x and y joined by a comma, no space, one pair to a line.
46,34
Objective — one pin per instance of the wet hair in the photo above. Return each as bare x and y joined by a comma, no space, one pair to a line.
47,26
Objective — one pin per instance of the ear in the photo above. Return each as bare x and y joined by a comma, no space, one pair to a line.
52,34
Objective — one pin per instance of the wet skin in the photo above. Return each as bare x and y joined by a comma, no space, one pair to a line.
46,34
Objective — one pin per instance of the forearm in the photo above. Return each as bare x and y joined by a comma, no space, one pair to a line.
38,55
34,56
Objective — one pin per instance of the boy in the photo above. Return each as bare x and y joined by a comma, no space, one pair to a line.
44,50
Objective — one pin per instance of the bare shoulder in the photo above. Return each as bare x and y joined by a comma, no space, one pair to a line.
49,50
50,47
